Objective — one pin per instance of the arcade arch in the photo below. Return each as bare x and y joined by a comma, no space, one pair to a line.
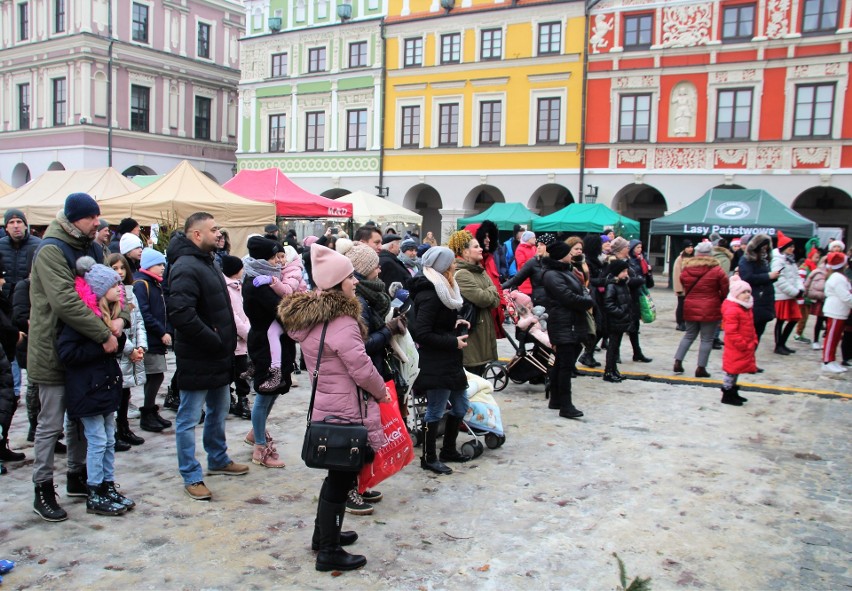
56,166
829,207
482,197
139,171
21,175
549,198
426,201
643,203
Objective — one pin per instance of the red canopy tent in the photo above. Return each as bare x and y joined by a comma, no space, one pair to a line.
270,185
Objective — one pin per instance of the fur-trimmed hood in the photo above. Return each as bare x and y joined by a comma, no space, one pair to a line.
700,261
300,312
755,244
488,228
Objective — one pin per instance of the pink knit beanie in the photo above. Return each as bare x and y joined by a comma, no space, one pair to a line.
329,268
737,286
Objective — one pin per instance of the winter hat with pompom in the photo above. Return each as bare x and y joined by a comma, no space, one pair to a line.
99,278
737,286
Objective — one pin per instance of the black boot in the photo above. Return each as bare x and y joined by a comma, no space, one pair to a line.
99,503
172,401
111,492
149,421
123,433
729,396
611,377
347,538
121,445
637,350
75,484
164,422
233,408
588,360
567,409
449,453
331,556
45,505
31,432
430,461
7,455
737,394
243,407
7,412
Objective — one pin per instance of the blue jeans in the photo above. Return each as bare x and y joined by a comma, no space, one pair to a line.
218,402
436,404
100,457
16,377
259,413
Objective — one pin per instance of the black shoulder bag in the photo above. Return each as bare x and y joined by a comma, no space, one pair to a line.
333,443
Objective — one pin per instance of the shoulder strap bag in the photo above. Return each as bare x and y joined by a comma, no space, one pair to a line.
333,443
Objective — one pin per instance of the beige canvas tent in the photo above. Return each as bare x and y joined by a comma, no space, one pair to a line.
366,207
184,191
42,197
5,189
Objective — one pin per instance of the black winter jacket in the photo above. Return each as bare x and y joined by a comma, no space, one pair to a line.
261,307
566,301
756,273
392,270
92,377
532,270
378,339
616,306
434,329
200,311
152,305
17,258
21,318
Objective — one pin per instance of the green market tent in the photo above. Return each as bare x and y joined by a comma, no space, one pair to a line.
143,180
734,212
586,217
504,215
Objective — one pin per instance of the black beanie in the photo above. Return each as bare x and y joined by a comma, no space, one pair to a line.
13,213
231,265
617,266
127,225
261,248
558,250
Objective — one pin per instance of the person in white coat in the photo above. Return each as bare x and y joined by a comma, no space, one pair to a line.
788,289
836,309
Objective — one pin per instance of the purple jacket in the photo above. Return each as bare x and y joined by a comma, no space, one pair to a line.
345,365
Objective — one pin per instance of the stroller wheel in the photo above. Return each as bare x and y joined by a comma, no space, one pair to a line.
472,448
492,440
502,440
496,374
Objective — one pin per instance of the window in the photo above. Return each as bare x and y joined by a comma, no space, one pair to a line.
60,101
634,118
819,16
451,48
410,127
547,126
202,117
814,110
448,134
279,65
490,118
413,53
358,54
23,106
738,22
356,129
637,31
315,132
491,44
549,38
733,115
140,23
140,97
204,40
277,125
23,21
316,59
59,16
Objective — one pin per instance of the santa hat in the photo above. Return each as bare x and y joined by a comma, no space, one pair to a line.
782,240
835,260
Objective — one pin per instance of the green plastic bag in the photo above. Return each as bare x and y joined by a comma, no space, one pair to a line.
647,308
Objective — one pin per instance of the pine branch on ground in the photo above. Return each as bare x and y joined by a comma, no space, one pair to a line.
637,584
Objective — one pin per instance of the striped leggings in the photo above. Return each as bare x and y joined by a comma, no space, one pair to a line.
833,335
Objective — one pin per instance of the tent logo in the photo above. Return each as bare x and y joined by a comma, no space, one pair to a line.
733,210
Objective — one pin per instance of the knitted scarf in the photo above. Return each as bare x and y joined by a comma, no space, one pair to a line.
258,267
451,299
373,292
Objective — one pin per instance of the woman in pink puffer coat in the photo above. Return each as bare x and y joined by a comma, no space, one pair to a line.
345,369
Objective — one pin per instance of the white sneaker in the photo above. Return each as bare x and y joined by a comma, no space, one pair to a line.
816,346
133,412
833,367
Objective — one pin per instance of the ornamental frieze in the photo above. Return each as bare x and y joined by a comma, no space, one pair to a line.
636,82
687,26
315,164
679,158
768,158
816,70
811,156
777,22
730,156
632,156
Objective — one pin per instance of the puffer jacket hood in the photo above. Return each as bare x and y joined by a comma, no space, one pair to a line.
488,228
631,245
700,261
755,244
180,246
301,312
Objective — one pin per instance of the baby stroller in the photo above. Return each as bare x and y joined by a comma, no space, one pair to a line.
530,364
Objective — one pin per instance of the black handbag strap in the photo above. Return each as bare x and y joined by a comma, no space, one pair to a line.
316,379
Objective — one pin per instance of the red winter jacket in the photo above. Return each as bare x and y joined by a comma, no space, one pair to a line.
706,287
740,338
523,253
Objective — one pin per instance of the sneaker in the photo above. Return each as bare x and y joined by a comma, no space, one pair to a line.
133,411
356,505
230,469
197,491
800,339
816,346
833,367
372,496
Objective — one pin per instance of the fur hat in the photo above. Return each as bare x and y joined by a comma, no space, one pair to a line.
261,248
704,249
330,268
558,250
231,265
129,242
617,266
151,258
782,241
364,258
832,244
737,286
835,260
527,235
439,258
407,244
79,206
619,244
99,278
13,213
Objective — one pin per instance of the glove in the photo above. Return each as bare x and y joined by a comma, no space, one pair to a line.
262,280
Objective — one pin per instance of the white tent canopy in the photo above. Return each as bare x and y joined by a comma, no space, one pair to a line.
5,188
367,207
41,198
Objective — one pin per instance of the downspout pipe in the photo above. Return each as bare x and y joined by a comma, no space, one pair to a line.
383,98
109,84
588,5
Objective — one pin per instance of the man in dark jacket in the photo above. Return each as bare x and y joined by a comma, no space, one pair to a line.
392,268
205,338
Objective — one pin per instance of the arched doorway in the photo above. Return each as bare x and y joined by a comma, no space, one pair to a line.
729,187
209,176
21,175
483,197
644,203
56,166
138,171
829,207
426,201
549,198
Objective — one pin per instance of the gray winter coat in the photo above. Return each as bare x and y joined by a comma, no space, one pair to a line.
133,374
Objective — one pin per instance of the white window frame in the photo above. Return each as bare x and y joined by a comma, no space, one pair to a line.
756,87
412,102
485,97
151,20
422,38
439,48
212,40
562,95
615,120
479,32
435,136
840,88
152,101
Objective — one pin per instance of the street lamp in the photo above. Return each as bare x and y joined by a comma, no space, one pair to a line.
591,193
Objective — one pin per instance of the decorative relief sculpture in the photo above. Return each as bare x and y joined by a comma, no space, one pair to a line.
811,155
632,156
602,26
637,82
778,21
731,156
679,158
768,158
687,26
684,102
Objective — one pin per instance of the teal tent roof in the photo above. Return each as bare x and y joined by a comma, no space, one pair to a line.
734,212
584,218
504,215
143,180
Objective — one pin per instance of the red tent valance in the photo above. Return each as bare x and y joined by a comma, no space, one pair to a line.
270,185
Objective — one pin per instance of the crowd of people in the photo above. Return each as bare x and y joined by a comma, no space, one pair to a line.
91,316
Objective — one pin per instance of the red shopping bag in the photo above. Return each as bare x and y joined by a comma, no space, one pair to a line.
397,451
